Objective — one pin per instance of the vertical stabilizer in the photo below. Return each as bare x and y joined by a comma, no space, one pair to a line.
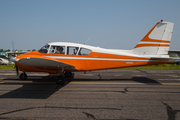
156,41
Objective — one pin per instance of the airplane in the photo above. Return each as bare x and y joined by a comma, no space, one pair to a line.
63,58
14,54
174,57
5,60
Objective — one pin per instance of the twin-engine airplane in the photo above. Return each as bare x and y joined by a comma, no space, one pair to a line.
65,58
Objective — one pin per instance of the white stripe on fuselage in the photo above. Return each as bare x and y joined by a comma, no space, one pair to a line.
108,59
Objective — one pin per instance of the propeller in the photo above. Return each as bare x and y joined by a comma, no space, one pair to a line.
13,59
17,70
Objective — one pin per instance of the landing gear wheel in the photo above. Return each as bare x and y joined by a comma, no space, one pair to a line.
60,81
23,76
68,74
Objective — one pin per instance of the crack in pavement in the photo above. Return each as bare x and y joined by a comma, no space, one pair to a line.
53,107
170,112
89,115
94,118
99,76
126,90
143,71
9,118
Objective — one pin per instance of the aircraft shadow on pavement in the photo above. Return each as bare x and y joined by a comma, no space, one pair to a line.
41,88
44,87
144,80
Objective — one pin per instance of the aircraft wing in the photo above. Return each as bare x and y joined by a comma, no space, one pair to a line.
45,63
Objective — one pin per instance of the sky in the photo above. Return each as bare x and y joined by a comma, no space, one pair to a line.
118,24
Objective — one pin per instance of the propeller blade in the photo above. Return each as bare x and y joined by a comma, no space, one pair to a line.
17,71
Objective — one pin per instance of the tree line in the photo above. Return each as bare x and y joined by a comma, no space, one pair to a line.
2,50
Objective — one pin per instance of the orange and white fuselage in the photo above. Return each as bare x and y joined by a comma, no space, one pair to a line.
59,57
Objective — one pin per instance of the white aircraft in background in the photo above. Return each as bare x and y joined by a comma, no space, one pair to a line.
5,60
175,59
8,58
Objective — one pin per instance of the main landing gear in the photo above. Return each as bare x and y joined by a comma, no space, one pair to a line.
23,76
60,80
68,74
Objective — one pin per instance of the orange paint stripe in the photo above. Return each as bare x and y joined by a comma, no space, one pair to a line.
151,45
147,39
150,40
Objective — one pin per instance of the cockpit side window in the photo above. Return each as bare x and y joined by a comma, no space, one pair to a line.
57,50
44,49
72,50
84,51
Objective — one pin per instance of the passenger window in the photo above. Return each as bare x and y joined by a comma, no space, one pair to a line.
72,50
57,50
84,51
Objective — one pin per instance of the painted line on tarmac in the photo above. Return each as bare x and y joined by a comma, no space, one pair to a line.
88,83
26,82
118,83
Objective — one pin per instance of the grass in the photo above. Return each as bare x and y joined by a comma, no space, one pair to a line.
7,66
156,67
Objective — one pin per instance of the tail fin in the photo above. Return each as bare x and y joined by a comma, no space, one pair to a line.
156,41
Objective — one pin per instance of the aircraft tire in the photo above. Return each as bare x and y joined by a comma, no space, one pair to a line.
23,76
60,81
68,74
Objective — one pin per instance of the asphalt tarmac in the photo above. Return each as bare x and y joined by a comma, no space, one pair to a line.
98,95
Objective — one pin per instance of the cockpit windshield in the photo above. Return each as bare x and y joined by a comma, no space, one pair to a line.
44,49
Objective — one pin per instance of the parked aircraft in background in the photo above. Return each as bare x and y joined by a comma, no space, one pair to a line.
14,54
64,58
175,59
5,60
8,58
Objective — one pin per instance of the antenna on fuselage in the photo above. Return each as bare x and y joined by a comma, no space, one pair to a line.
87,40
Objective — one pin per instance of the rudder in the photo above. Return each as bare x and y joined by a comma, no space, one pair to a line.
156,41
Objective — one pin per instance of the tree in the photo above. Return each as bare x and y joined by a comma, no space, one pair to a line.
1,50
33,49
7,50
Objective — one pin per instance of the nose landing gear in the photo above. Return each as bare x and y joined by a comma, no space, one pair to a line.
23,76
